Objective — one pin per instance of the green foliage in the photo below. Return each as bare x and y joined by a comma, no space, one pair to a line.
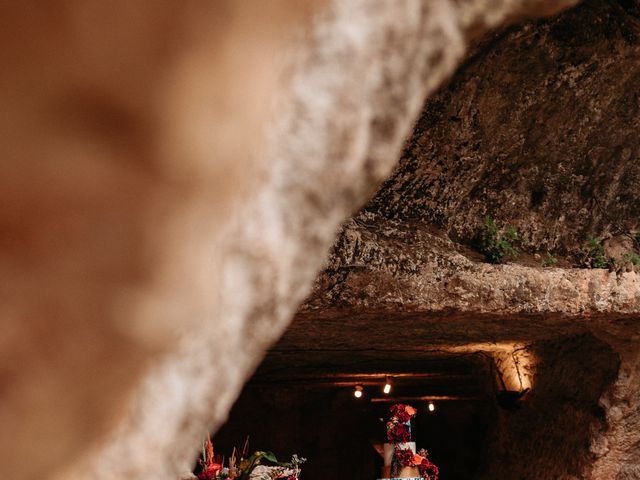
632,258
499,244
549,261
593,254
247,465
258,458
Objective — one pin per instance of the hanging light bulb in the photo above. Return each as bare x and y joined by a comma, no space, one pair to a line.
358,391
387,386
431,407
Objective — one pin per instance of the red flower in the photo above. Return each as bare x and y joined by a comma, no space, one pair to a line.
404,456
402,413
403,417
398,433
428,470
209,471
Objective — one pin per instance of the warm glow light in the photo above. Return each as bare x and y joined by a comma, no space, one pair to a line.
387,386
358,391
515,363
432,407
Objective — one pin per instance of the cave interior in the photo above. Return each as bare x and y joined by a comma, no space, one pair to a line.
522,355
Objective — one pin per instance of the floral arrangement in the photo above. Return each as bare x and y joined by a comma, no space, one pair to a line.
210,469
406,458
250,468
399,425
399,432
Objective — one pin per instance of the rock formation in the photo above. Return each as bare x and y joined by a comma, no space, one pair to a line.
121,157
537,130
139,305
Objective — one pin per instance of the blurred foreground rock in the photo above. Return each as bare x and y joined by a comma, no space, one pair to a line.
174,176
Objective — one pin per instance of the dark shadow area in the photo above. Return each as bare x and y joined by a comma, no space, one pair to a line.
336,432
550,435
303,402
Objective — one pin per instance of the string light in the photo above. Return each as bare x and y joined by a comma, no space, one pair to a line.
387,386
358,391
431,407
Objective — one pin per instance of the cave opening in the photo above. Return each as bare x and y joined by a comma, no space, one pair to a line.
497,401
524,347
301,400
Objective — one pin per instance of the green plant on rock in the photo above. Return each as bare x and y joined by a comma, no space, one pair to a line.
632,258
549,261
593,254
499,244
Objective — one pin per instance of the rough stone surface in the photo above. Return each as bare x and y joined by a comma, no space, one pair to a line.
553,428
123,271
122,147
418,270
558,170
355,89
532,131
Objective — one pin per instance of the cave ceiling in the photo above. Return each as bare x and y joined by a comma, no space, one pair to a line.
537,130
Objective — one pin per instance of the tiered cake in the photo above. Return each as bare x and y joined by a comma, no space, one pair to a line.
400,458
